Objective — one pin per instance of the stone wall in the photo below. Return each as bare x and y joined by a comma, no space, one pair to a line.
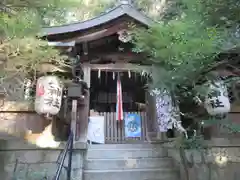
17,118
27,162
209,164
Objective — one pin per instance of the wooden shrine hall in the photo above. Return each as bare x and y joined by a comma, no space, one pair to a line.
103,46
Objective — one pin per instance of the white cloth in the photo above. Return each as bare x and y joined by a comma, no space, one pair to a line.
168,114
96,129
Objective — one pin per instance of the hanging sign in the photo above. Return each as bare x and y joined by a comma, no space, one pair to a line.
48,95
132,125
168,113
96,129
164,109
217,101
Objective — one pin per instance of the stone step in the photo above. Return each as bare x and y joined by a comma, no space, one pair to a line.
125,146
126,153
142,163
132,174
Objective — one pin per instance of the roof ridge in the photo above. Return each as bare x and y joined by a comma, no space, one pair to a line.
129,2
77,22
104,17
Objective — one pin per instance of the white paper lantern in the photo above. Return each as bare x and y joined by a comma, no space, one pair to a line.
48,95
217,101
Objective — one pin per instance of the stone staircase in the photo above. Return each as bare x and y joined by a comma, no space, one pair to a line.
128,162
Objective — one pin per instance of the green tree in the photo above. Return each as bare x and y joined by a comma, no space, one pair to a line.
21,52
185,46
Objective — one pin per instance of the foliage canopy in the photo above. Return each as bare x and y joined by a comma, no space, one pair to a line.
21,52
185,46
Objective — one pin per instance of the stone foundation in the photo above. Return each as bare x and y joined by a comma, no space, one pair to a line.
209,164
17,118
31,163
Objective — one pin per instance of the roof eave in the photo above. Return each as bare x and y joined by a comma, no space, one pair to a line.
102,19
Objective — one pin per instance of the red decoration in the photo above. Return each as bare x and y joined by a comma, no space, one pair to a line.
40,90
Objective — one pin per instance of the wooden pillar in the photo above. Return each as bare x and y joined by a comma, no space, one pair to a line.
83,108
152,125
151,117
87,74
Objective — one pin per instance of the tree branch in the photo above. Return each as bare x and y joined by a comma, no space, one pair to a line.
4,8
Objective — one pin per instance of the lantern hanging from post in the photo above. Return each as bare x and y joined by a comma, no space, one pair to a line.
48,99
217,101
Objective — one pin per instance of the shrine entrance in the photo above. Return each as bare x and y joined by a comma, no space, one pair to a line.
103,98
102,47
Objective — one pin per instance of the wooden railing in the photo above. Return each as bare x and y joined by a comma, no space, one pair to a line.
115,130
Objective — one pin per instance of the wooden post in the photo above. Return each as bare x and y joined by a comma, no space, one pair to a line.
87,73
74,118
152,124
83,113
83,109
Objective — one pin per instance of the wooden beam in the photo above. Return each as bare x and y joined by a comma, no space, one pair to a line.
61,44
115,56
92,36
98,34
103,33
118,67
80,39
